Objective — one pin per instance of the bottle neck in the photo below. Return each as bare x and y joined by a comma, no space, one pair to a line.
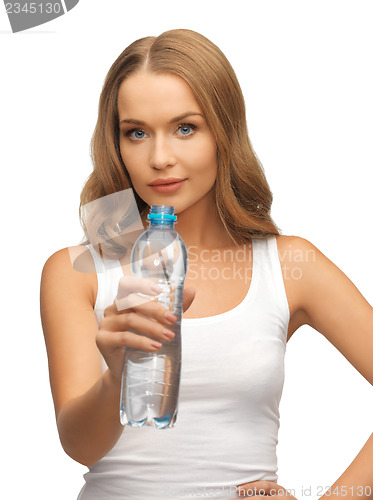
162,217
161,224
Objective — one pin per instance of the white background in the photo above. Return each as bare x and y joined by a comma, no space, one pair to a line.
305,70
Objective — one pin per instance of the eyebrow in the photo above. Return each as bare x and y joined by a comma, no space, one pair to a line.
173,120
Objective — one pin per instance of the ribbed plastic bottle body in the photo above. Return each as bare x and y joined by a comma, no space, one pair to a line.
150,381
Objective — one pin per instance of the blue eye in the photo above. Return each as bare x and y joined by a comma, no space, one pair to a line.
186,128
139,134
135,133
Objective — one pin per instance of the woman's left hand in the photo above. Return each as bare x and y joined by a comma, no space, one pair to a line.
257,489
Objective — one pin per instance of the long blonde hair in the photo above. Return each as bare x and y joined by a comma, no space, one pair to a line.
243,197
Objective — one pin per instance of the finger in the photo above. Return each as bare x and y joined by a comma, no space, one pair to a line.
260,488
188,297
144,325
260,497
153,309
109,341
117,307
134,290
136,284
132,300
146,304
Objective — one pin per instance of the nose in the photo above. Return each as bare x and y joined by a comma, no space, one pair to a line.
161,153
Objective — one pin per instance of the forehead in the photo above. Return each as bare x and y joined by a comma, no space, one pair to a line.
145,93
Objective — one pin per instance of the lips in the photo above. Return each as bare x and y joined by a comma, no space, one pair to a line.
168,180
168,187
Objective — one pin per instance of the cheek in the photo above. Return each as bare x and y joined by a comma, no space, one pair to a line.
123,154
131,158
210,161
202,156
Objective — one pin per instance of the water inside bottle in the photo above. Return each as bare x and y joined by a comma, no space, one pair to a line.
150,381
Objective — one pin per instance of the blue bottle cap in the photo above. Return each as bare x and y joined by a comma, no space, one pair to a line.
162,212
162,216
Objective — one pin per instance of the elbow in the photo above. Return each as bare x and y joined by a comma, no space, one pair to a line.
77,445
79,453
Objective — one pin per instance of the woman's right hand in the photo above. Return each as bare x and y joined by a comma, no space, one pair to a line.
132,312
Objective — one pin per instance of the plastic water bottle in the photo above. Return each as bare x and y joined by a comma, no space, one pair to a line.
150,380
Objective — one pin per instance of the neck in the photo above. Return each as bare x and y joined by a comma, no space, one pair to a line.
200,226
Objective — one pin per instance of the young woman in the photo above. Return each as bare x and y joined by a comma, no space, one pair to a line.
171,111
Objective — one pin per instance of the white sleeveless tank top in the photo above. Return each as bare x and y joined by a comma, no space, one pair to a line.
231,384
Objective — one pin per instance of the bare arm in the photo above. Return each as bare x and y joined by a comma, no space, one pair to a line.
357,480
333,306
86,400
329,302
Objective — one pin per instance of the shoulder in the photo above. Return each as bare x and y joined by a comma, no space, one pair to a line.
71,268
305,260
315,281
302,257
296,255
292,248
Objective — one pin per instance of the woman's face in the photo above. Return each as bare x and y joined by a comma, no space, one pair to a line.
163,134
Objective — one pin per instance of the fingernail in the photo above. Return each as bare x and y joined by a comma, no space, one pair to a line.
169,334
157,345
156,288
170,317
